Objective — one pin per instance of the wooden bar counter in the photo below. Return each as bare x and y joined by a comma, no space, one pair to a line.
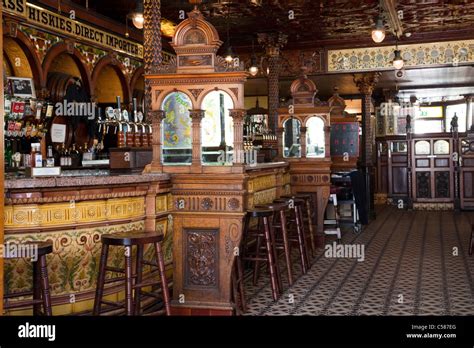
73,212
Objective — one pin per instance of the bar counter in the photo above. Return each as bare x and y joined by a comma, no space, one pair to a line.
73,212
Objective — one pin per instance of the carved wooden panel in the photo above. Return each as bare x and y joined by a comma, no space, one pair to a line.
423,185
442,183
202,258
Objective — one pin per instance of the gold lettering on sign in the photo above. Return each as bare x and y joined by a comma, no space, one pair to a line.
60,24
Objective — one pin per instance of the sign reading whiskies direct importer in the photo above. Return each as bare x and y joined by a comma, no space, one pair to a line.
60,24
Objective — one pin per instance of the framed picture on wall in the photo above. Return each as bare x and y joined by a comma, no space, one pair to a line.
22,87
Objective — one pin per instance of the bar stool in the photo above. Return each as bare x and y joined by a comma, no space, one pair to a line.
41,291
296,230
308,217
263,217
280,210
129,239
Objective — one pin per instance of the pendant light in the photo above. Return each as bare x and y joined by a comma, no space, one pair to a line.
137,15
398,61
229,56
378,33
253,70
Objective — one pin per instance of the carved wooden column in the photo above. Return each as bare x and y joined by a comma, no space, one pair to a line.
366,84
279,133
196,118
156,118
238,116
273,43
152,59
303,141
469,112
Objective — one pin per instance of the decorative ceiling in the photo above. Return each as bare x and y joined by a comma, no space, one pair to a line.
312,22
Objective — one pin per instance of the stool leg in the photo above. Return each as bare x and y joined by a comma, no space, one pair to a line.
286,246
128,280
275,255
311,229
256,265
36,287
139,275
235,291
301,239
271,261
240,275
471,244
164,282
99,292
45,286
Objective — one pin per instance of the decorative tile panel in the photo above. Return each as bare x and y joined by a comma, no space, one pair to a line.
415,55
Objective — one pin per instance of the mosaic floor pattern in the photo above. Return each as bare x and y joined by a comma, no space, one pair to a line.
416,263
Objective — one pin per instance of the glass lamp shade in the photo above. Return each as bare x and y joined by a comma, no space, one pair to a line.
253,70
138,20
229,56
378,34
398,61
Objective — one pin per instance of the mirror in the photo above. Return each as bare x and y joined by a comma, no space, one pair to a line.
217,129
291,138
176,130
315,138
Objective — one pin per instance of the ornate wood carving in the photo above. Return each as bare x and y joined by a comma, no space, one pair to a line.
423,185
202,258
196,117
238,121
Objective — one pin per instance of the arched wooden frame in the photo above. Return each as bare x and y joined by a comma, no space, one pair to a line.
326,131
30,52
110,60
139,72
282,145
78,58
235,100
176,90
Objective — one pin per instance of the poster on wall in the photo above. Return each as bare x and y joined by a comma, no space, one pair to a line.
22,87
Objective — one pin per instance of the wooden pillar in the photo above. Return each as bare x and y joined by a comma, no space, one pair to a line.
156,118
196,118
303,141
280,143
273,43
238,116
2,156
469,120
366,84
152,59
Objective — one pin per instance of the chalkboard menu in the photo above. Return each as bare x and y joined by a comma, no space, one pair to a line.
345,139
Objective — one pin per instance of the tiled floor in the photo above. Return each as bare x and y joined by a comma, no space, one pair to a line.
416,263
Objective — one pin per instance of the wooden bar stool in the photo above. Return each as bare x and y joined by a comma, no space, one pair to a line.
264,231
308,217
280,210
40,290
129,239
296,230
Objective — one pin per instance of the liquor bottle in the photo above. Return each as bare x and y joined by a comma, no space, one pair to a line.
50,157
62,156
75,156
8,153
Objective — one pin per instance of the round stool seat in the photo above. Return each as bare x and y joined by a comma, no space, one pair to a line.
296,201
259,212
43,248
273,206
298,195
131,238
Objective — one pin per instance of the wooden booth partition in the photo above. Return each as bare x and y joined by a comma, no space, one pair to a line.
304,135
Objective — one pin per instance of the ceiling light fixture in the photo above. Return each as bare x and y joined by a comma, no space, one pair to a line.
253,70
398,61
137,15
229,57
378,33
